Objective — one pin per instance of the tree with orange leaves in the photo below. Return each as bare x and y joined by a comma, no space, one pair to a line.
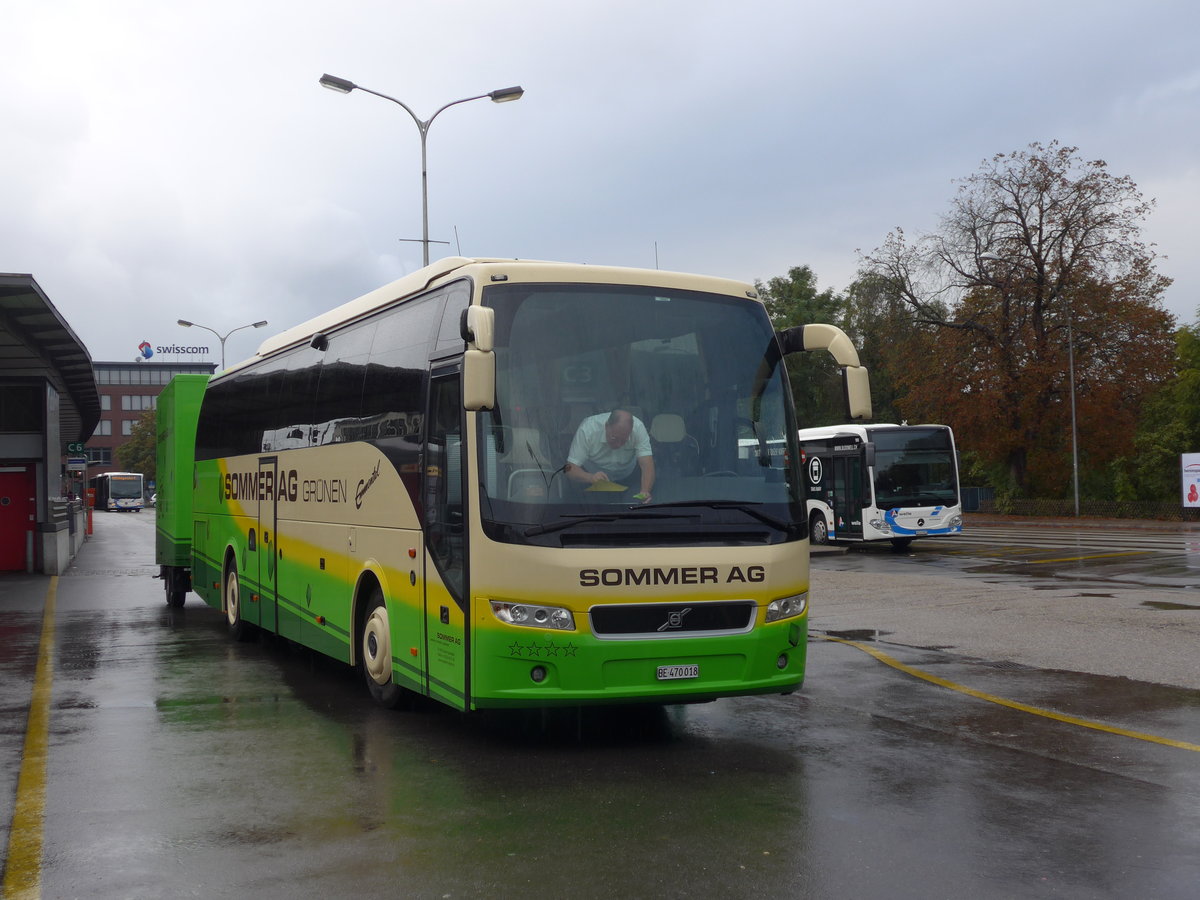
1037,286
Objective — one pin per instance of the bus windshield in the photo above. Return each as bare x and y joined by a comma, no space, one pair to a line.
690,368
914,467
125,487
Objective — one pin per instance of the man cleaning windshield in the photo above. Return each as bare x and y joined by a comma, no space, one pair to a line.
607,447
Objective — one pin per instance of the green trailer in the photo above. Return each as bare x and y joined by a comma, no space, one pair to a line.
178,411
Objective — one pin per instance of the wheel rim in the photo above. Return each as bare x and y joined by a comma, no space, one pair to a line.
377,648
819,534
232,596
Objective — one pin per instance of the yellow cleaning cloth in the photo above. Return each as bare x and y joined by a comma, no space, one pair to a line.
606,486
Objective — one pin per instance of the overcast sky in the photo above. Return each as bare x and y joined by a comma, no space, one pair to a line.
165,160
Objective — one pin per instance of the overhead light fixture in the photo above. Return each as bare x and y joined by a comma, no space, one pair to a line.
504,95
341,85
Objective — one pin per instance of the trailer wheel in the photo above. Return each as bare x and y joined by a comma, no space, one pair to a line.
176,595
818,531
375,654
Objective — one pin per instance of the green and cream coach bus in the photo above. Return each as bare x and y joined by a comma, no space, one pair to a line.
388,484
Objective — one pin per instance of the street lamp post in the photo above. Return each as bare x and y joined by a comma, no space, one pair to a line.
503,95
221,337
1070,377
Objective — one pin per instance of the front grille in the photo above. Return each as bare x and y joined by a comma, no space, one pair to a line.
641,620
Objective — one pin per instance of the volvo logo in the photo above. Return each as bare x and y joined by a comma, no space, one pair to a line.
674,620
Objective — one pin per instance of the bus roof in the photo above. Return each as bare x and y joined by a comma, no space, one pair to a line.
521,270
819,432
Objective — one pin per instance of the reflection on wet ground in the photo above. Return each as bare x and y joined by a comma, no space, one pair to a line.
1048,568
182,763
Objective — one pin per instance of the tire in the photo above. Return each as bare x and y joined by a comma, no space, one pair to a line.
239,628
818,531
901,544
375,654
176,595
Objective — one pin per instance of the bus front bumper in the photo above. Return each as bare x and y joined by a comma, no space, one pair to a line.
522,667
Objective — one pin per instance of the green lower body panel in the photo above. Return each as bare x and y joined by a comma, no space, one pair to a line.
170,550
528,668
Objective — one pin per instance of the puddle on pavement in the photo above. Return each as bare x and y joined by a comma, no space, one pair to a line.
858,634
1163,604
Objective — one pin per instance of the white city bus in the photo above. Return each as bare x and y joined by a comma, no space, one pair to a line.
385,483
118,491
881,483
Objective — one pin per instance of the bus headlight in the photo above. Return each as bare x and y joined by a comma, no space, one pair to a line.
530,616
956,522
881,525
787,607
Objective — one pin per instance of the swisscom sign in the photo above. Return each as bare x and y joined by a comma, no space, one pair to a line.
147,350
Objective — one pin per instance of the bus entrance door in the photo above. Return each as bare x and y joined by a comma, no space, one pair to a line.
445,542
848,497
263,613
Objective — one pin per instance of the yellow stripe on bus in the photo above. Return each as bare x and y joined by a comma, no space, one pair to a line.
1013,704
23,872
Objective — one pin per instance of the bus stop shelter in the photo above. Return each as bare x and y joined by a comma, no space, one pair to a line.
49,405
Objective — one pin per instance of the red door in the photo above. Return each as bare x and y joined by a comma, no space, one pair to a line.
17,514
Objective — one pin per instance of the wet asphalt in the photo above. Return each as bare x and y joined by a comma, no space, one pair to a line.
182,764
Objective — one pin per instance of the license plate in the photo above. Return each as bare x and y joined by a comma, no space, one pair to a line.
670,673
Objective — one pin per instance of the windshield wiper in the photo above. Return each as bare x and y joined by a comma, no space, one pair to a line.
586,519
746,508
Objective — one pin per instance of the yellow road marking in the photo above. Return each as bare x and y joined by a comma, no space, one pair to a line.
23,871
1095,556
1013,704
993,551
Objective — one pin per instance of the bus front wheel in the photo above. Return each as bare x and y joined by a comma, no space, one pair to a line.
375,653
818,531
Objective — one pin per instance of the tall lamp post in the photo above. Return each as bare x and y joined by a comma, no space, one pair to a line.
503,95
221,337
1070,377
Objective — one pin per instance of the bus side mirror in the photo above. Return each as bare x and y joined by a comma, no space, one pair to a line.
857,384
479,380
478,326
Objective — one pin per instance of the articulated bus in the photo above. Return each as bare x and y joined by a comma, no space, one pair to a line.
881,483
388,484
118,491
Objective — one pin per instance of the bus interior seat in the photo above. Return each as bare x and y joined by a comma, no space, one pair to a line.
674,449
527,462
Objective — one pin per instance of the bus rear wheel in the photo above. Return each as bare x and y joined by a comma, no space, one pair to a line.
239,628
375,654
818,531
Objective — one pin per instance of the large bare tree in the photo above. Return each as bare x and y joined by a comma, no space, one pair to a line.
1036,283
